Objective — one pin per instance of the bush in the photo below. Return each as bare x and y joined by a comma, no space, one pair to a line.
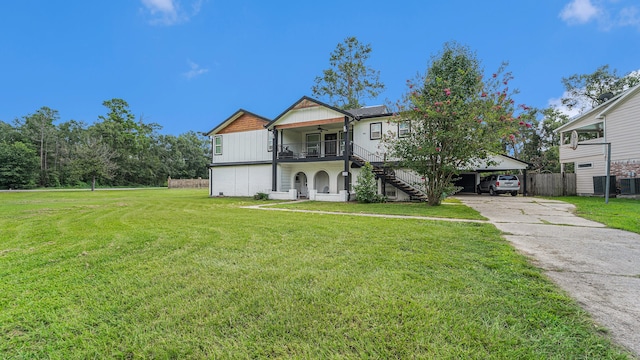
367,186
261,196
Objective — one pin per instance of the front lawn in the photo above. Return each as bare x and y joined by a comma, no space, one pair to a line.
618,213
175,274
449,209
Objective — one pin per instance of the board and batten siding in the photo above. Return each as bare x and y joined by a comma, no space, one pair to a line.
309,114
240,180
244,147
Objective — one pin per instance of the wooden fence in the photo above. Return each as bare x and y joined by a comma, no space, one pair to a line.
198,183
551,184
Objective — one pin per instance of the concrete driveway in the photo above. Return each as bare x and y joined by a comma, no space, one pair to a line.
597,266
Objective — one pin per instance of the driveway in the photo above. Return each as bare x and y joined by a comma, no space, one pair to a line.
597,266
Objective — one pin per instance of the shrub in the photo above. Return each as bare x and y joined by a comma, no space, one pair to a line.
367,186
261,196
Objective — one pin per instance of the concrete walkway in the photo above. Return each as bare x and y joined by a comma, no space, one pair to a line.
597,266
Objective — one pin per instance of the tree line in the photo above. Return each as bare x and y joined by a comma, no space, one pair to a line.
38,150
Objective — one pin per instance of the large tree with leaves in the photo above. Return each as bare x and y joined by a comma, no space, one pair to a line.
349,80
585,91
456,118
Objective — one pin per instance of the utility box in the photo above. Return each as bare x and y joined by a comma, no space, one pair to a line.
600,183
630,186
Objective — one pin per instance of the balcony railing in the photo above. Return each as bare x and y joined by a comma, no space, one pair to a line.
316,149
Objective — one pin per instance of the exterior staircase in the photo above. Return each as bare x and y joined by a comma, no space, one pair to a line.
400,179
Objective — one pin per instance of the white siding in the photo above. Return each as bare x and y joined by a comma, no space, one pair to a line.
584,177
582,152
309,114
623,130
240,180
362,134
244,146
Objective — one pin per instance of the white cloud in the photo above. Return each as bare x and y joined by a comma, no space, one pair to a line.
608,14
574,111
629,16
170,12
195,70
579,12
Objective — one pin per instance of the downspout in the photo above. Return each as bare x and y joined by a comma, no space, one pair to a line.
346,155
274,161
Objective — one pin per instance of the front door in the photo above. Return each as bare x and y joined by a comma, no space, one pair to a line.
331,144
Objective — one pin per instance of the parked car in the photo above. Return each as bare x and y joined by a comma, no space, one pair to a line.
499,184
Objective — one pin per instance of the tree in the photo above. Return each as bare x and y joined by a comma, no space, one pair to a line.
585,91
367,186
456,117
39,128
93,160
18,165
349,80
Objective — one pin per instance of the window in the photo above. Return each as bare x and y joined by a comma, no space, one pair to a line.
313,145
375,131
269,141
404,128
217,145
585,165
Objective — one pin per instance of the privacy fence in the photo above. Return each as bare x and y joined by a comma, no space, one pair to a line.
551,184
198,183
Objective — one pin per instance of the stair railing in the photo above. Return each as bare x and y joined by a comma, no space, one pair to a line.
379,161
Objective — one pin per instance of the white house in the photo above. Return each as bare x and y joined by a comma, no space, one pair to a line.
314,150
616,122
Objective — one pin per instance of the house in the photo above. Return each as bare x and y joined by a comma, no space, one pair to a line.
313,150
616,122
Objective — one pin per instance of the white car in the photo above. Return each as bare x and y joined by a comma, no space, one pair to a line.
499,184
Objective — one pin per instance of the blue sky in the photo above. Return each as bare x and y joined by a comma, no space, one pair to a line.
190,64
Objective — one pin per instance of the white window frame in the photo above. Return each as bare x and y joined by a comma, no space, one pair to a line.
269,141
312,147
375,134
217,145
404,129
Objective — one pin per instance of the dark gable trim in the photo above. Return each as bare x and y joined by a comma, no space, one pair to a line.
308,99
266,162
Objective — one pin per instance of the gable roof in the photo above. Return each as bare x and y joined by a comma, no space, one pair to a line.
238,114
304,102
603,109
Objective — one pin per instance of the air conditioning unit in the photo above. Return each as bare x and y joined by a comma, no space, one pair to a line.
630,186
599,185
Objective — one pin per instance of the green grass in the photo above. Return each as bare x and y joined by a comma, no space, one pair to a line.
618,213
450,209
175,274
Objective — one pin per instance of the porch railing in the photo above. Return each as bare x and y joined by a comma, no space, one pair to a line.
316,149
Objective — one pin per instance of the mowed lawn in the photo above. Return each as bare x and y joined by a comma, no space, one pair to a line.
619,213
175,274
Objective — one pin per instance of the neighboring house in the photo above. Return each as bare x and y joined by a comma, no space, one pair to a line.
315,151
617,122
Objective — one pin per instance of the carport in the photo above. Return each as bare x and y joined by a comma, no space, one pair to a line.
468,180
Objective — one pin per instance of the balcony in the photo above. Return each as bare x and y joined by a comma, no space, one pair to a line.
309,151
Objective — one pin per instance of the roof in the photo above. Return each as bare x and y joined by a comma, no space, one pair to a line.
369,111
603,109
305,98
232,118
